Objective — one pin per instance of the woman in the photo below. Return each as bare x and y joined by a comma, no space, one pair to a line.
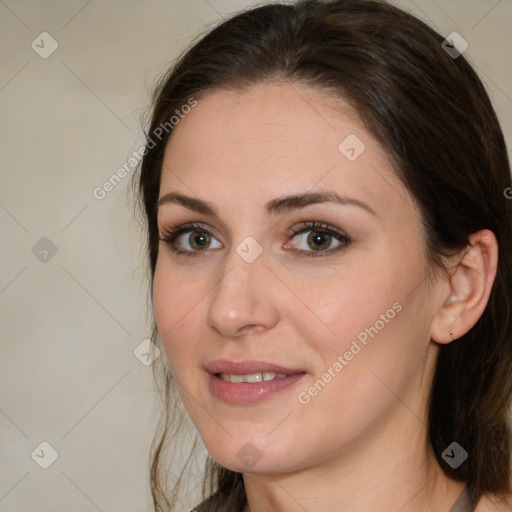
329,241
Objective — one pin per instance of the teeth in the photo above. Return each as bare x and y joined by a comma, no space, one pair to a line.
240,378
252,377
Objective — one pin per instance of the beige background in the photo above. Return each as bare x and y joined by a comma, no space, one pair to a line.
70,324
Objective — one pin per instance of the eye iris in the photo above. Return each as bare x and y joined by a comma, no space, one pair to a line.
323,239
193,240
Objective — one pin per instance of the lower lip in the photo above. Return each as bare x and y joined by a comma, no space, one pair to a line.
250,392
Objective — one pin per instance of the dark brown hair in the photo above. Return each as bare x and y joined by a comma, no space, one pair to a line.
432,115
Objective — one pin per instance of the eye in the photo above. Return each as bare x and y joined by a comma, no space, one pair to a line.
194,238
320,239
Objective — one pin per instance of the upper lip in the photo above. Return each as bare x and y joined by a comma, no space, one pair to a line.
246,367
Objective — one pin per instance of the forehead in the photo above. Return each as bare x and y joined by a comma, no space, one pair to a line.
273,138
276,114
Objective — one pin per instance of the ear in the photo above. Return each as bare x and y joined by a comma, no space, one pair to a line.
471,276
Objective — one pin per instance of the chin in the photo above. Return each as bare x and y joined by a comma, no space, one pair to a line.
242,455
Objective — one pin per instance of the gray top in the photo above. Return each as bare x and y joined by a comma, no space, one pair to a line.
463,504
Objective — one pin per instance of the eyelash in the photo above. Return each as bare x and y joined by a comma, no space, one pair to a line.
170,236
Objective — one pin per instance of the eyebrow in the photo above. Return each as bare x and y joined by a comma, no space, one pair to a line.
274,207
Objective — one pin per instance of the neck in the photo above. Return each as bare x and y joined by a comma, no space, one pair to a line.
378,472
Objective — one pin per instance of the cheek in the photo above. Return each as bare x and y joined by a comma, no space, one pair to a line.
164,300
369,319
175,305
342,309
381,344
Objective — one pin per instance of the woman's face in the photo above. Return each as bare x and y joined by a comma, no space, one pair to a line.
342,307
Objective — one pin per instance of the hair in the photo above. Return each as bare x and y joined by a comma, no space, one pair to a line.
432,115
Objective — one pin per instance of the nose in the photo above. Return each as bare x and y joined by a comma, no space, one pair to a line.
244,299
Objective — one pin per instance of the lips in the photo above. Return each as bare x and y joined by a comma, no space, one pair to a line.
246,367
235,383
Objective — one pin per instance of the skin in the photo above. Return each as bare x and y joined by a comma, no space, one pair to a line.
361,443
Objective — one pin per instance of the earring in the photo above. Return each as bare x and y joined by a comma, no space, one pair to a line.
451,335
